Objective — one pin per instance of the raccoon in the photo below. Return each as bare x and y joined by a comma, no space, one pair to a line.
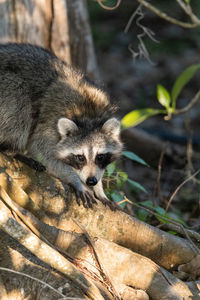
57,116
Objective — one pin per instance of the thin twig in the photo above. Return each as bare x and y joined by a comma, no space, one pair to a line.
27,220
142,50
178,188
108,7
189,166
193,234
184,6
190,104
33,278
126,29
99,265
188,10
189,150
168,18
39,292
157,187
71,298
184,230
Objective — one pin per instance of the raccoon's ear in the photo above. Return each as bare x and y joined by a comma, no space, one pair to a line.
66,126
112,126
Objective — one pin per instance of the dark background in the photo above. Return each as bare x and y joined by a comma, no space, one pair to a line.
132,83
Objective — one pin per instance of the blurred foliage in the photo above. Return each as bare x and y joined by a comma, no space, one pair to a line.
115,179
170,45
160,214
165,98
107,28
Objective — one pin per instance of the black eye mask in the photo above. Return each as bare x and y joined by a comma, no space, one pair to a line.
102,160
76,161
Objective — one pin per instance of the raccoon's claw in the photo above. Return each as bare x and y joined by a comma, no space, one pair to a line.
112,205
86,197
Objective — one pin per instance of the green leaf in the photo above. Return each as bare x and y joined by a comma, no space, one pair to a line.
136,185
117,197
111,168
172,232
134,157
139,115
182,80
142,215
121,178
160,211
176,218
187,1
163,96
180,221
123,175
160,219
147,203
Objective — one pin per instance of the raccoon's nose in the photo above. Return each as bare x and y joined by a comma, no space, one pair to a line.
91,181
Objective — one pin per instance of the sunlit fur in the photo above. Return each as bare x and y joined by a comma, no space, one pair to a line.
90,146
51,110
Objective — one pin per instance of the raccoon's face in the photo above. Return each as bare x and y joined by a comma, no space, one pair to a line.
90,154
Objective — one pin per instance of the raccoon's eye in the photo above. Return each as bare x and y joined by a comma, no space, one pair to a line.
103,159
100,157
80,158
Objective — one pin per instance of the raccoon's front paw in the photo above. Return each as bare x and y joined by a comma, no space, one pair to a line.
32,163
86,197
112,205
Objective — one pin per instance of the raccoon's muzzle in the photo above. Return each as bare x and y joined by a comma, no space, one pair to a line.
91,181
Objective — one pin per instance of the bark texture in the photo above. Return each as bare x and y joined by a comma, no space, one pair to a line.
81,42
42,195
66,222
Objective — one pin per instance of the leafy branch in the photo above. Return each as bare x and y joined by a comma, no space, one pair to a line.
166,99
115,179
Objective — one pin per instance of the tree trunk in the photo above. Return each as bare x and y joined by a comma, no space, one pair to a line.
81,43
57,223
60,26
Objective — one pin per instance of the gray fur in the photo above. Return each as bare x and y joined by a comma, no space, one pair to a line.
111,127
66,127
51,110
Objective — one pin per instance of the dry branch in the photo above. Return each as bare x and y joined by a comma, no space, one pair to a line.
195,21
